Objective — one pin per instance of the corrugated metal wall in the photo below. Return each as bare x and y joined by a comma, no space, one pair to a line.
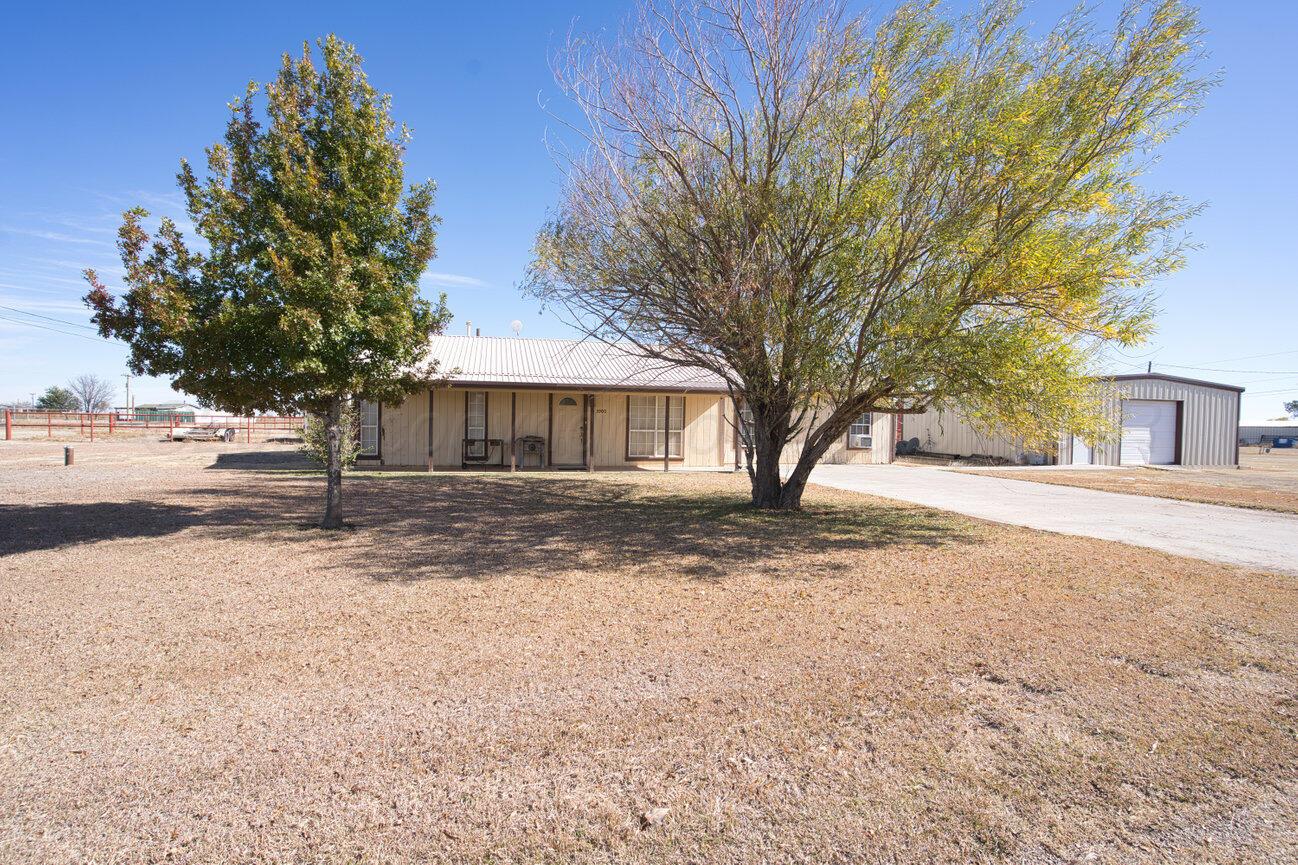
1210,420
945,432
1249,434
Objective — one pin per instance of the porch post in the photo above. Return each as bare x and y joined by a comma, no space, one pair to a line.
734,405
667,432
431,431
590,431
513,436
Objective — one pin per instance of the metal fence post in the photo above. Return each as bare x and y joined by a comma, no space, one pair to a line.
9,424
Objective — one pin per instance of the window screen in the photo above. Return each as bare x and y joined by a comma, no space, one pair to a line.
369,424
858,434
475,424
645,426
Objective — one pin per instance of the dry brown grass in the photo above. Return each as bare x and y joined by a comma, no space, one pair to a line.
490,668
1266,482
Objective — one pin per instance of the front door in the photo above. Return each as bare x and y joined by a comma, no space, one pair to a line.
568,447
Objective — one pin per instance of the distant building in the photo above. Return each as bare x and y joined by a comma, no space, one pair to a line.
1267,431
162,412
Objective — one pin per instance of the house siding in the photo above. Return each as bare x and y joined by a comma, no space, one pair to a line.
405,432
946,432
709,439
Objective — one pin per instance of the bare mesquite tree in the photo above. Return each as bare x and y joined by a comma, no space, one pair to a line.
92,393
839,218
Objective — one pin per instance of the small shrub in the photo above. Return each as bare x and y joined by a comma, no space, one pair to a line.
316,446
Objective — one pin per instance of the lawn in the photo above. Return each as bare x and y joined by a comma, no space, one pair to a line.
496,668
1264,481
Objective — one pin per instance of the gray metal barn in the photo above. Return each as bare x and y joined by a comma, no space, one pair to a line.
1165,420
1265,432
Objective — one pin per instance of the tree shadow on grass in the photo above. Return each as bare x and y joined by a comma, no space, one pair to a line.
25,528
263,461
483,526
420,527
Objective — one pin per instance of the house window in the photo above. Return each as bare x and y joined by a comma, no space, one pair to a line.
369,428
645,428
745,426
858,434
475,415
475,424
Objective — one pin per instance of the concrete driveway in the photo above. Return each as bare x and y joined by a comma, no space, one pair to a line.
1255,539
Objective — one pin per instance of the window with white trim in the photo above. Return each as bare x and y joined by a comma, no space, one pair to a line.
859,433
652,419
745,427
369,428
475,422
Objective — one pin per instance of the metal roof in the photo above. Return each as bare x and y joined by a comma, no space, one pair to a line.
561,363
1162,376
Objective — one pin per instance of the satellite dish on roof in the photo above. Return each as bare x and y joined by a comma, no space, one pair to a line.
516,326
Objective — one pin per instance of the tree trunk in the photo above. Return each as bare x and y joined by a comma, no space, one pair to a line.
766,477
785,494
768,444
796,482
333,516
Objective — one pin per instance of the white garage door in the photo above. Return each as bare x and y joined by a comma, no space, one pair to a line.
1148,432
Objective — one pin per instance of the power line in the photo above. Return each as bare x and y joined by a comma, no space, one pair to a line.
1254,356
49,318
1258,381
1240,371
1281,390
100,340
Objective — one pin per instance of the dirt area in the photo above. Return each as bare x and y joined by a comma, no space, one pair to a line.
1264,481
624,667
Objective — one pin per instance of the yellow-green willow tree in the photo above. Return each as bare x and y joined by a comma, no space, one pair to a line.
305,294
838,218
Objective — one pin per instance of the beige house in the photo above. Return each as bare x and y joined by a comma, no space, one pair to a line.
512,403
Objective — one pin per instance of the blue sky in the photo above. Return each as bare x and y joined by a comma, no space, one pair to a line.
102,101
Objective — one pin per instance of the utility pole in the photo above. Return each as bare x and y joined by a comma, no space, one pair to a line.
127,376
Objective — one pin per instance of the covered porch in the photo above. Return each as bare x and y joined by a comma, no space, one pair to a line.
467,427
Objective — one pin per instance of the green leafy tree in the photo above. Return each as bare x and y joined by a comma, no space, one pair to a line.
58,399
1291,408
305,293
838,217
315,438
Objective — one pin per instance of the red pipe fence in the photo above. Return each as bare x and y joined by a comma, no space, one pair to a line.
98,423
